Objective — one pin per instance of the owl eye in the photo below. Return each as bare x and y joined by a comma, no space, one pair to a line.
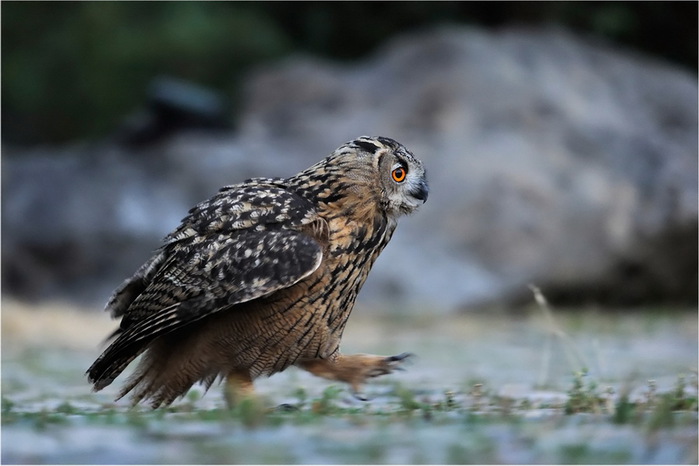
398,174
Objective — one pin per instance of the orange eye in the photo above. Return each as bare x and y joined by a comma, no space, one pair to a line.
399,174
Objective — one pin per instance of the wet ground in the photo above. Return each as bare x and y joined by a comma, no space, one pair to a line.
483,388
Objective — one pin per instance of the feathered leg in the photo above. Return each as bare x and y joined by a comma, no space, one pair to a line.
238,387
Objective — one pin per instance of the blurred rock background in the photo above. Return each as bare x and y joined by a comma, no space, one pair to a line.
560,138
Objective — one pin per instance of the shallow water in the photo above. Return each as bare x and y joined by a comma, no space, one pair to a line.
483,388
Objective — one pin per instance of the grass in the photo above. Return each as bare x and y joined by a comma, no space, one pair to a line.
625,391
400,404
477,426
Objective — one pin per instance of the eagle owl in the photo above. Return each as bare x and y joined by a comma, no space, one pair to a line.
263,276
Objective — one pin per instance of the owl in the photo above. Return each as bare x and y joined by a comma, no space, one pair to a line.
263,276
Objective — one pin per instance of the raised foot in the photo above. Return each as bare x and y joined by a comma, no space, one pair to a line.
354,369
389,364
382,366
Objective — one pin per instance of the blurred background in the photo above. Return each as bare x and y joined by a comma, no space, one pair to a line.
560,138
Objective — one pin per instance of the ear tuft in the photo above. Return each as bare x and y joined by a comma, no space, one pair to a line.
367,146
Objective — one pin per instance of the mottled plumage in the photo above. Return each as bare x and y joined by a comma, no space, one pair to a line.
263,276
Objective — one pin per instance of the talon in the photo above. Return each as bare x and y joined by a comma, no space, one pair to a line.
379,371
286,408
390,364
355,390
359,396
400,357
394,362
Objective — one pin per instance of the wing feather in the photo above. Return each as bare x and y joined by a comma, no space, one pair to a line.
246,242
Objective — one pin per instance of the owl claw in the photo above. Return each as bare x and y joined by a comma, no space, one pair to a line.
286,408
359,396
394,363
388,365
385,366
400,357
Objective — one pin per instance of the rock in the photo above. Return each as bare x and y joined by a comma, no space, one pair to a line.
552,160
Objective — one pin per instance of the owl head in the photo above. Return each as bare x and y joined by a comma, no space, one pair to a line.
400,177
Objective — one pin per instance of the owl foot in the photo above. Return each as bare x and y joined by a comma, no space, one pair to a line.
355,369
386,366
390,364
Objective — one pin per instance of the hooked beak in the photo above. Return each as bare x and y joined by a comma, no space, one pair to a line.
421,192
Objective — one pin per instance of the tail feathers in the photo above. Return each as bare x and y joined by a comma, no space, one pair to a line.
108,367
147,388
148,383
165,372
159,380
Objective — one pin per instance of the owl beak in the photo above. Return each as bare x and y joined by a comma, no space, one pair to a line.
421,192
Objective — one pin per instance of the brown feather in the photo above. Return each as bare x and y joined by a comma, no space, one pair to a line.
261,276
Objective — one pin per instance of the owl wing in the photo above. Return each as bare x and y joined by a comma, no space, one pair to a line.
255,206
244,243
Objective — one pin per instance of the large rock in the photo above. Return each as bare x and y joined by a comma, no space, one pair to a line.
552,160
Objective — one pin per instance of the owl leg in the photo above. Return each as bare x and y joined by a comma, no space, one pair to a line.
354,369
238,387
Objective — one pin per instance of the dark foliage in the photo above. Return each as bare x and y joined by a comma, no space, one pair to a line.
75,69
